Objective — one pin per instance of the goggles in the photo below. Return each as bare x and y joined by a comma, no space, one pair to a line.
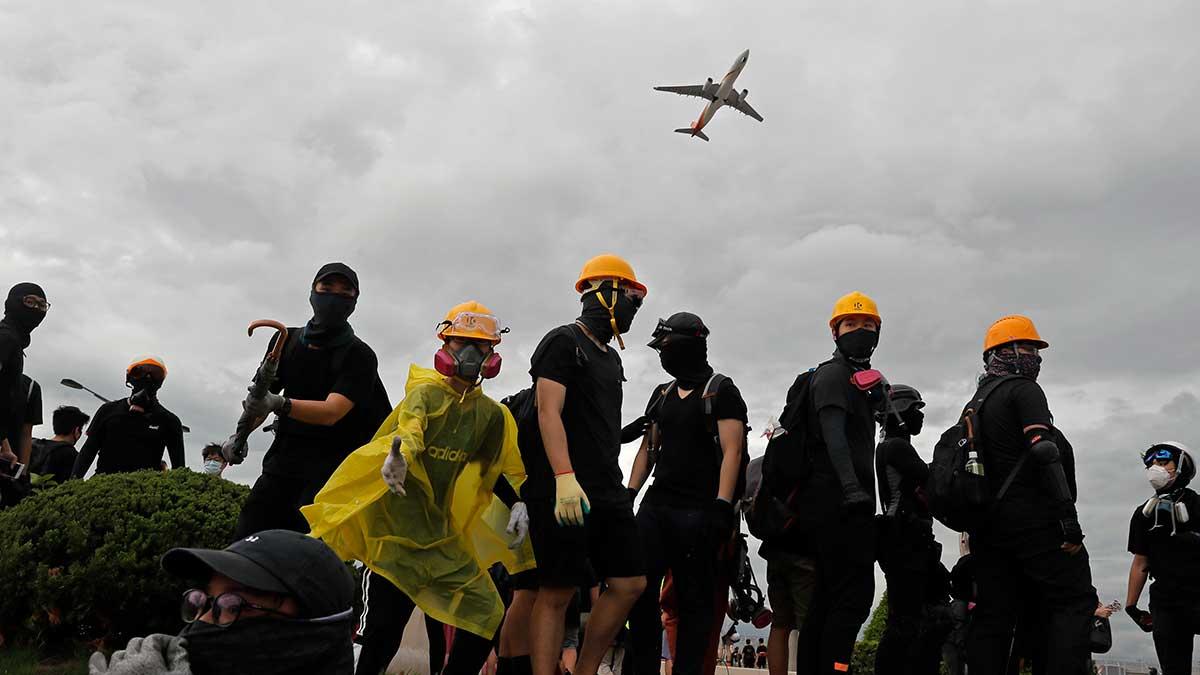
35,302
472,325
1158,455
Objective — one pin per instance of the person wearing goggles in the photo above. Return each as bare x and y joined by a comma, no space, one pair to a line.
273,602
416,504
1165,541
24,310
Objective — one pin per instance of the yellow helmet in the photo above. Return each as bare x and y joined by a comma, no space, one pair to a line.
147,361
1015,328
854,304
472,321
607,266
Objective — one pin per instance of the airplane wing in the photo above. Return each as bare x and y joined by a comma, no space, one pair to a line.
688,90
745,109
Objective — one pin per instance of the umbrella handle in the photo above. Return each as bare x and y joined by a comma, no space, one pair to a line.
277,351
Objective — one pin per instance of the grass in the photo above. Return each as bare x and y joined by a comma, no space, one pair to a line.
26,661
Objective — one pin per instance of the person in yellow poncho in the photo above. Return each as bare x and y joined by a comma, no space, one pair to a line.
415,505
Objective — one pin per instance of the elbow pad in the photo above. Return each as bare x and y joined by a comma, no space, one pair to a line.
1054,479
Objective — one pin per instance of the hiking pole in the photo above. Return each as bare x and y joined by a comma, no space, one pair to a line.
72,384
235,449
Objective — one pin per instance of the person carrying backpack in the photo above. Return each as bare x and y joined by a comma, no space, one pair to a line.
1165,542
1029,533
695,448
328,400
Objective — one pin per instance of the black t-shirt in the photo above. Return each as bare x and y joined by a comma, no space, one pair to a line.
53,458
591,416
313,451
688,471
131,441
1174,560
12,394
747,655
831,388
1015,405
27,408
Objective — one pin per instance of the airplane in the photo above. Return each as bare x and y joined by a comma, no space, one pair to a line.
717,95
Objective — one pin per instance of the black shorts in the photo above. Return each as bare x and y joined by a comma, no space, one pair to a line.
525,581
607,546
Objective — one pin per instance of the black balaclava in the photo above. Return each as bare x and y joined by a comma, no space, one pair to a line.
858,345
596,316
268,645
16,314
145,381
329,326
686,359
1006,360
913,420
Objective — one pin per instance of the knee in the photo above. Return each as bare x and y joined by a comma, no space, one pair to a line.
554,598
627,588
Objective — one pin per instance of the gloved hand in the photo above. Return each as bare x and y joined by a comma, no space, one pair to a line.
857,501
722,520
635,429
231,452
1072,532
518,525
395,468
1141,618
571,503
261,407
152,655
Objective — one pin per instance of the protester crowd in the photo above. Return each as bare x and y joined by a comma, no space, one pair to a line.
511,522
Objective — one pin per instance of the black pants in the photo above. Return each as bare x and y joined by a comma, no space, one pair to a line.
912,641
1007,573
845,552
954,651
274,503
680,540
386,610
1175,628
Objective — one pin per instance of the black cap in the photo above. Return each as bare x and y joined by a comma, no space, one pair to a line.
330,269
277,561
905,397
680,324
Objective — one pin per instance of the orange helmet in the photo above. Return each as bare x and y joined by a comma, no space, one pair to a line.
607,266
472,321
147,361
854,304
1015,328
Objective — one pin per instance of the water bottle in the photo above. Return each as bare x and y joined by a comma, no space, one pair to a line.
974,466
975,487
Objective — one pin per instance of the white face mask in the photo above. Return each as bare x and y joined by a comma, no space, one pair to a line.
212,466
1159,477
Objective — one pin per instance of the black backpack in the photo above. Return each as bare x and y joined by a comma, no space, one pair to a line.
958,498
785,466
708,396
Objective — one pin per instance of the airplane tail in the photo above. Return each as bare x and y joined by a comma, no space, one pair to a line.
692,132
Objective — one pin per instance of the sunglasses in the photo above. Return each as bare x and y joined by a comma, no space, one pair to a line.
35,302
226,607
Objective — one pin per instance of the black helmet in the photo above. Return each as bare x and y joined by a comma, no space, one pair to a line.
680,324
905,397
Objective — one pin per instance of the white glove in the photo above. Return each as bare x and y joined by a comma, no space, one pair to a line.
156,654
518,525
395,468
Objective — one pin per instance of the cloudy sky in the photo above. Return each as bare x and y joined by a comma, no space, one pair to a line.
171,171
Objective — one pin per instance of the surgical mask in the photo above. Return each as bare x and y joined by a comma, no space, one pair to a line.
330,310
212,467
858,345
1159,477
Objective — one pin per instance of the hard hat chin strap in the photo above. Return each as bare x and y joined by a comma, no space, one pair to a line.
612,312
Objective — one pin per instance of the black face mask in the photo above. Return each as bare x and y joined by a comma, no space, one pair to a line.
265,646
914,420
328,327
626,309
25,319
596,317
686,360
858,345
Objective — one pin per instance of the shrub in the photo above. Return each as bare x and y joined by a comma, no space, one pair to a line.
864,650
81,560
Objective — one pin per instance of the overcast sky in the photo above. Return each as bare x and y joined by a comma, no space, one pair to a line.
171,171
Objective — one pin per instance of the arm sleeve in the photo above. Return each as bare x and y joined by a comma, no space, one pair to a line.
555,359
357,378
175,443
729,404
904,459
833,430
504,490
95,441
1137,534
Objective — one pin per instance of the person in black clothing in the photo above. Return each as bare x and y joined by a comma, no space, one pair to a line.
24,310
839,492
30,413
697,438
909,555
55,457
1030,541
963,597
329,401
131,434
581,518
1165,542
748,655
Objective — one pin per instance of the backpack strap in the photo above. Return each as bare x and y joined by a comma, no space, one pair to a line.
655,413
971,417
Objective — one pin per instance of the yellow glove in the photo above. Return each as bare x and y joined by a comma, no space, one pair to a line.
571,504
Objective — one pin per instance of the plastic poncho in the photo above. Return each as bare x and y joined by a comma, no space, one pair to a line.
436,542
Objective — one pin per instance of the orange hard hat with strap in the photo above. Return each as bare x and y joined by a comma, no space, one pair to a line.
1010,329
147,361
614,268
472,321
854,304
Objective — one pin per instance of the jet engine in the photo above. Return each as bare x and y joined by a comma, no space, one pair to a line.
745,93
708,86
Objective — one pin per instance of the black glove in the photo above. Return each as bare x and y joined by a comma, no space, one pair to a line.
722,520
857,501
1072,533
1141,618
635,429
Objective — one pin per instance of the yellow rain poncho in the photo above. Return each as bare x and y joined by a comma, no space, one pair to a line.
436,542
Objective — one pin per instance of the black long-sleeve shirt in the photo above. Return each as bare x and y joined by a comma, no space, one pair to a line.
130,441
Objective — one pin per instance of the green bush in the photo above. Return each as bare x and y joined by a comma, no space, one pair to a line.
864,649
80,561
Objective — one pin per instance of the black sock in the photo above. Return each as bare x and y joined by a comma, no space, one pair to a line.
504,665
522,665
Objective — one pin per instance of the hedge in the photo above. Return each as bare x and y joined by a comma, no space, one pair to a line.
80,561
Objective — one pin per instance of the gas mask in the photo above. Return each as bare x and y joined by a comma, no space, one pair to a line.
469,364
145,386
